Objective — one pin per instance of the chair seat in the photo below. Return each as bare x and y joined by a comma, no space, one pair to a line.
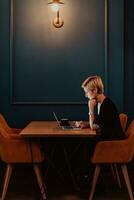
113,152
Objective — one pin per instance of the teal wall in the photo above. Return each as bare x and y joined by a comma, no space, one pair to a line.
45,56
84,46
129,59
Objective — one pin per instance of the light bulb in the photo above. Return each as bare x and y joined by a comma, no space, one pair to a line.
55,7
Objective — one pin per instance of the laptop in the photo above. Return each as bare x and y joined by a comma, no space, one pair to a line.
68,127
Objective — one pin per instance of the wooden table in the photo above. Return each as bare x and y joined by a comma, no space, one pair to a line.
50,129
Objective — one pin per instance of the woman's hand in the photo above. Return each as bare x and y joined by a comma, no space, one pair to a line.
91,105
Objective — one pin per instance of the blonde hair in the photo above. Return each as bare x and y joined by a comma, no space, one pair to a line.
93,82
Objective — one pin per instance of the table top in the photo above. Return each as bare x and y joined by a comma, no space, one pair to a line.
51,129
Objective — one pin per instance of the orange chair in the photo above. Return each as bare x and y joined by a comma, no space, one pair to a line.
114,152
123,120
13,150
7,127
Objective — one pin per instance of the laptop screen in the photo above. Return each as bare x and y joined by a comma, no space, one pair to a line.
56,119
65,127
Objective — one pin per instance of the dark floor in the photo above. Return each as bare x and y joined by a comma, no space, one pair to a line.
23,186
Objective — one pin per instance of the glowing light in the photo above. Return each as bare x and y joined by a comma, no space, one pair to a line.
55,7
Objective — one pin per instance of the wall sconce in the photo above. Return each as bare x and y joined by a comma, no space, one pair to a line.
55,5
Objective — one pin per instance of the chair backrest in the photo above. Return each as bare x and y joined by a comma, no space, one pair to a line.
4,124
115,151
3,132
123,120
130,134
130,130
18,150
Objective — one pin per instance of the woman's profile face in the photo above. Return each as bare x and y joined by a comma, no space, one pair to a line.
90,94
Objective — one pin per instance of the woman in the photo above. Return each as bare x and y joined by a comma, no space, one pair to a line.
107,120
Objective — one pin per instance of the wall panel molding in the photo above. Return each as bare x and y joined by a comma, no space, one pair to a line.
13,62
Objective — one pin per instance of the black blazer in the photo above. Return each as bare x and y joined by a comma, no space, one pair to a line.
109,122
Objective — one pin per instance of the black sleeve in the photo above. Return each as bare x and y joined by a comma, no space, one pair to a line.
108,120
